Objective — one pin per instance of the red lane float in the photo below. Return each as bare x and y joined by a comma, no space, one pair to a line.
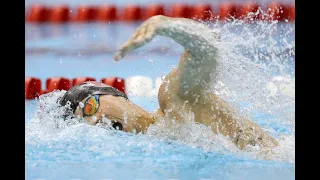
248,11
278,11
153,10
227,10
107,13
59,14
292,12
38,14
116,82
44,91
202,12
32,87
57,83
79,80
131,13
180,10
86,13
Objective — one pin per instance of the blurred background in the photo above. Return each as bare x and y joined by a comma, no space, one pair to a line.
68,42
61,34
144,2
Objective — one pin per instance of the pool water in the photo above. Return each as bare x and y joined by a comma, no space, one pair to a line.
82,151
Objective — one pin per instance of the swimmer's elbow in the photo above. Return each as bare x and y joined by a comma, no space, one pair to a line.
197,37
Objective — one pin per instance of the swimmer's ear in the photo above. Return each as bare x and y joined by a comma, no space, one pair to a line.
143,34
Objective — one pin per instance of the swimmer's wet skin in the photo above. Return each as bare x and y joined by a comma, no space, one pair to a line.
183,91
93,101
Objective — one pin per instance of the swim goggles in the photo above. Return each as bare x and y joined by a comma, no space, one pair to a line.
91,105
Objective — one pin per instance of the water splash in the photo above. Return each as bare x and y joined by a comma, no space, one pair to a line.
47,120
253,57
254,54
255,74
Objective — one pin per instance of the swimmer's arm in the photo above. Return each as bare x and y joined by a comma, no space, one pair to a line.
199,58
192,35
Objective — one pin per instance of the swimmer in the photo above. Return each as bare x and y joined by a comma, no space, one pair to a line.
183,91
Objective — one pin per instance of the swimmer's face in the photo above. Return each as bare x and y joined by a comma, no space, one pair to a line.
117,112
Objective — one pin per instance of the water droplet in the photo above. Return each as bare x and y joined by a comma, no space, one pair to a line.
81,104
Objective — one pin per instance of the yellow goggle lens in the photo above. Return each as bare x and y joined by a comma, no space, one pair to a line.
91,106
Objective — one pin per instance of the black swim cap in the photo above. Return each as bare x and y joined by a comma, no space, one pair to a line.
79,92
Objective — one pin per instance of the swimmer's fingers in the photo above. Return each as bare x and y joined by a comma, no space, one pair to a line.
128,47
144,34
122,52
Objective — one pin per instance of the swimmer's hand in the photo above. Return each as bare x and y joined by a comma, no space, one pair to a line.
143,34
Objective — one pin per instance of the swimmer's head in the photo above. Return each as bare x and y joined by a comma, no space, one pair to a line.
100,103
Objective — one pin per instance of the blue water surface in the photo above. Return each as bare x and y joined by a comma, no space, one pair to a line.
74,50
